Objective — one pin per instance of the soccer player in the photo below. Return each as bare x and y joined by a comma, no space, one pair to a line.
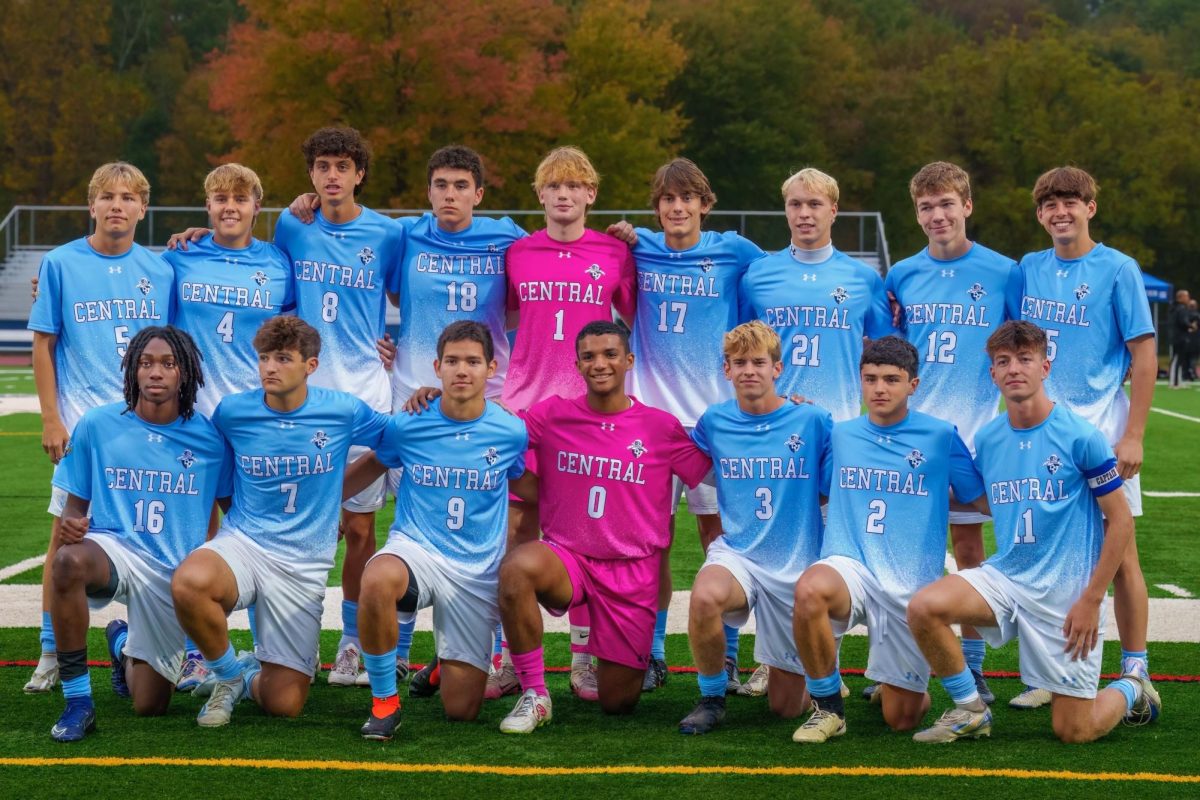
771,460
952,295
276,546
687,299
95,294
1092,303
893,470
1052,480
445,545
150,468
607,465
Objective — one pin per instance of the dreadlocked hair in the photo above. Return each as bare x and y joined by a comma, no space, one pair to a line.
187,361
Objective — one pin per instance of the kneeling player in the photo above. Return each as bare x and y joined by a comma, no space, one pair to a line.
451,522
151,477
1052,481
885,539
607,463
771,460
276,546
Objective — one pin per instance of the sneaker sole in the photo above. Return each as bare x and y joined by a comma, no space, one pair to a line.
206,724
342,679
979,734
840,731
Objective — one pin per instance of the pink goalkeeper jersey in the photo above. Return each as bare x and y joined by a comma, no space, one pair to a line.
605,479
559,287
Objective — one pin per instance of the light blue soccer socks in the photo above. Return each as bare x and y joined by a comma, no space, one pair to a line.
349,623
658,648
1133,660
381,669
712,685
47,633
73,672
404,640
1125,686
973,651
960,687
226,668
732,636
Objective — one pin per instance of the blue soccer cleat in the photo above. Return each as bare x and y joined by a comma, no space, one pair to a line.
120,686
77,721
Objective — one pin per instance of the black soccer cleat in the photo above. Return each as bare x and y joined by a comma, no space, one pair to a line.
426,682
704,717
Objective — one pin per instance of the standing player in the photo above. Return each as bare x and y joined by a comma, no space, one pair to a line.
344,264
893,470
687,298
1092,303
276,546
771,459
150,469
445,546
952,295
1052,480
607,466
95,294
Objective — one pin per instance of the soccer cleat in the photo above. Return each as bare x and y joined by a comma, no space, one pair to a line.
1148,705
985,693
870,693
502,680
656,675
45,675
427,680
346,666
219,708
584,685
77,721
733,684
756,686
844,690
957,723
205,687
822,726
402,669
531,712
704,717
381,728
120,686
193,674
1030,698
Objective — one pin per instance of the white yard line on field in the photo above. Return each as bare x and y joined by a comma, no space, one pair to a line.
21,566
1175,414
1171,588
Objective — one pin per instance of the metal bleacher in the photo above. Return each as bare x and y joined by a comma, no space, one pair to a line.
28,232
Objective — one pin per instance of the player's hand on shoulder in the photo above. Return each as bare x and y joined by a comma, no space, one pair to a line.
72,530
55,440
1082,628
179,241
420,399
798,399
624,231
895,306
387,350
305,206
33,287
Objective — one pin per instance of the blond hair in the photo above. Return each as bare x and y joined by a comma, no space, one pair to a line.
118,172
232,179
565,165
815,181
939,177
752,337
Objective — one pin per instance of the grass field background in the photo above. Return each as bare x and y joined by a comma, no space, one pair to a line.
580,736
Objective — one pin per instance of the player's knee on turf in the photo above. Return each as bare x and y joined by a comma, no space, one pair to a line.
1073,729
904,711
789,702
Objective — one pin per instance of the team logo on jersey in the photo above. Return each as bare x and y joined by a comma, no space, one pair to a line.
320,439
1082,291
794,442
608,426
839,295
154,437
883,439
145,286
260,277
947,273
115,270
187,459
564,254
1024,444
637,448
493,249
976,291
808,276
286,425
706,264
1053,463
232,260
595,271
491,456
915,459
1062,273
366,255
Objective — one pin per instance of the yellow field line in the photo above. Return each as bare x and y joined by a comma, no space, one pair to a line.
486,769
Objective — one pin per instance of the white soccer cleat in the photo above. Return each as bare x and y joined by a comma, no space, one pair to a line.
583,683
822,726
346,667
219,708
531,712
1031,698
45,675
756,685
502,680
1148,705
955,724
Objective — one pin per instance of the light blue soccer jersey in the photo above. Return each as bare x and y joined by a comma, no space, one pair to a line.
771,470
1042,484
151,485
950,308
889,497
289,468
686,301
1090,307
95,304
224,295
447,277
453,493
821,312
341,272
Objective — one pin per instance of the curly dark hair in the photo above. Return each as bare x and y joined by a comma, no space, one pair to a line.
187,360
891,351
339,141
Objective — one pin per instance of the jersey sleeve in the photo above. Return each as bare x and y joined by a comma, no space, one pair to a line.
625,294
1013,290
700,434
285,228
46,314
288,305
172,293
825,475
1095,459
388,451
964,475
225,477
510,280
397,240
879,315
747,252
1131,305
687,460
521,443
368,425
74,474
534,418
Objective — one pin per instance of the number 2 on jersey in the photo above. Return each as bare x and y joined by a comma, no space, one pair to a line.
875,518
